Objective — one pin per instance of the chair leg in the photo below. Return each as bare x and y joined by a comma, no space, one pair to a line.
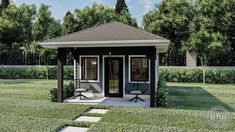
75,96
140,99
136,99
83,96
132,98
80,95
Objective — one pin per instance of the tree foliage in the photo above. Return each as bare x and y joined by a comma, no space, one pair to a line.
171,19
19,31
23,27
121,6
4,4
100,14
206,26
69,23
211,31
46,27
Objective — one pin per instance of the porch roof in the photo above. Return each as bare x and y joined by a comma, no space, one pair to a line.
112,34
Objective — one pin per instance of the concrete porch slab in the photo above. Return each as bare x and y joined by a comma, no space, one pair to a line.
88,119
124,102
98,111
110,101
73,129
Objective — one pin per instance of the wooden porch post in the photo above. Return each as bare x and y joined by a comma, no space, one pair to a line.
152,78
60,75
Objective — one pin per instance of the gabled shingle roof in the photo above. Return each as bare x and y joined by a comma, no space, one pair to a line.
112,31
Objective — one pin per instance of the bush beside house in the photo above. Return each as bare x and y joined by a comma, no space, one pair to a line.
67,93
162,94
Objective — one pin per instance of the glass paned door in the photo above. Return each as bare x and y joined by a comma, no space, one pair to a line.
113,77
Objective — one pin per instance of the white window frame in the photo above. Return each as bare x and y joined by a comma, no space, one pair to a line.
129,68
98,66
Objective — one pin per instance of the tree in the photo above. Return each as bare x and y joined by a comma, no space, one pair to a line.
20,31
211,31
121,6
5,4
69,23
171,19
46,27
100,14
207,45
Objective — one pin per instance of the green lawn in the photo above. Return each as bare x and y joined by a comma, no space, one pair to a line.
24,106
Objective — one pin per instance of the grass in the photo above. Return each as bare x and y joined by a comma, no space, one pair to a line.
187,111
24,106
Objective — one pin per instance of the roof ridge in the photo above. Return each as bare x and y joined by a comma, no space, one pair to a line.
83,30
140,30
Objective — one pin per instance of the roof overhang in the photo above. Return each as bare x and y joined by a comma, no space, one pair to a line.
161,45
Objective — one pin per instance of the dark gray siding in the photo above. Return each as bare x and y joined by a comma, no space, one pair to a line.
97,87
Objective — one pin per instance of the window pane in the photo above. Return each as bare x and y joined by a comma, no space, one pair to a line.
139,69
89,68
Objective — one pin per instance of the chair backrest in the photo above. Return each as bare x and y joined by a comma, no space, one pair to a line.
143,86
78,83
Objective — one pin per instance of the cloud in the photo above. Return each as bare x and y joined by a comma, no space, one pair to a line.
147,4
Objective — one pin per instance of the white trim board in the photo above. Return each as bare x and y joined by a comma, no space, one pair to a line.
161,45
103,74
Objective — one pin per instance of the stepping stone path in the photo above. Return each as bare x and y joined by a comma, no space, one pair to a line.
88,119
98,111
74,129
85,119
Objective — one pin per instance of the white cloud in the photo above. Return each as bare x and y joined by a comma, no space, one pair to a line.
147,4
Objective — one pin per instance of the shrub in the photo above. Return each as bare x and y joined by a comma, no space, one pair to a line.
53,93
68,92
220,76
181,75
162,94
195,75
34,72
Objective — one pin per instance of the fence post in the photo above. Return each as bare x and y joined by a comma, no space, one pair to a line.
204,75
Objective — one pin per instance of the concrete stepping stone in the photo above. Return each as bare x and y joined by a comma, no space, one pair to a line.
98,111
73,129
88,119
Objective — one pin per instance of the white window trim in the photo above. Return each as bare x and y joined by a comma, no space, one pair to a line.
129,68
98,66
103,82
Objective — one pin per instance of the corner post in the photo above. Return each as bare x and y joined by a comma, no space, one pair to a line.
152,78
60,75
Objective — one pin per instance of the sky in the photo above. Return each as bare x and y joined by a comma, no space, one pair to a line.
59,7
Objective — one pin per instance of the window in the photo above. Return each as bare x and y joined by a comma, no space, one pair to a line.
139,69
89,68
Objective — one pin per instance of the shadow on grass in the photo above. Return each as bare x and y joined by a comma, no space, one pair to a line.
196,98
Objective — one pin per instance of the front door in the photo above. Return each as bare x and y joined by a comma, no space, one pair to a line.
114,77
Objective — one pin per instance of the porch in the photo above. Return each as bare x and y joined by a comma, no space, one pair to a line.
110,101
